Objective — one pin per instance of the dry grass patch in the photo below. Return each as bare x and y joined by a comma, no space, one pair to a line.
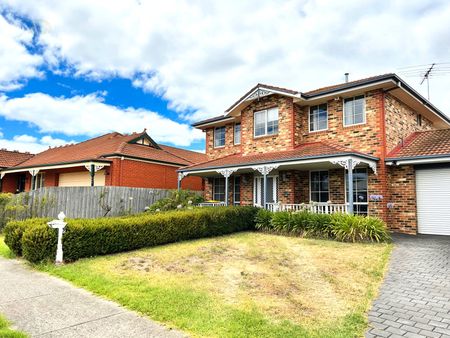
284,277
314,284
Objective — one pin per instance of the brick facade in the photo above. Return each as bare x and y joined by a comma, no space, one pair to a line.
388,122
401,121
125,173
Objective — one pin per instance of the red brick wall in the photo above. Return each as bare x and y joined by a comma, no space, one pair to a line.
365,137
128,173
228,149
401,121
9,183
402,185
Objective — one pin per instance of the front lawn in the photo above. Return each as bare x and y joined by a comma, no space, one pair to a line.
242,285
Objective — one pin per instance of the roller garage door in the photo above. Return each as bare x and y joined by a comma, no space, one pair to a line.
433,201
81,179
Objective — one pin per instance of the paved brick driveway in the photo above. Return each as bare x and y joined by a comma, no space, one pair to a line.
414,300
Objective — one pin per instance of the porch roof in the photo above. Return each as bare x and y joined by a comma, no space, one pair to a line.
304,152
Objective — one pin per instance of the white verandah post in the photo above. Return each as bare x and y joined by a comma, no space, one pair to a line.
226,173
350,185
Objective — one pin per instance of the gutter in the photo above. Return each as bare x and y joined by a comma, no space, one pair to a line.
441,158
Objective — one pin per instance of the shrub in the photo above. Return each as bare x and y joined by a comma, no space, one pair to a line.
177,199
92,237
4,200
14,231
353,228
342,227
263,220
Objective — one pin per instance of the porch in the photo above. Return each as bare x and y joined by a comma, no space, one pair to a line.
326,185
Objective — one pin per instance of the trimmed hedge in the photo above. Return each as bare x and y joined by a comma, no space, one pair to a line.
341,227
91,237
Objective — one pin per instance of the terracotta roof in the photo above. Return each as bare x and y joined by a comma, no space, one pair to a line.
344,85
188,155
425,143
12,158
100,148
304,151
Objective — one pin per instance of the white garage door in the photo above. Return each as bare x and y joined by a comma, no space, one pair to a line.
81,179
433,201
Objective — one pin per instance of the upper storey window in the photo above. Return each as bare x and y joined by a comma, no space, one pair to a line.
219,137
237,133
354,110
318,117
266,122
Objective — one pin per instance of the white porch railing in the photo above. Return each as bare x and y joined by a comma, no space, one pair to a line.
317,208
211,204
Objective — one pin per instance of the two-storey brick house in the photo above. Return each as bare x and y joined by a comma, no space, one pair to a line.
331,149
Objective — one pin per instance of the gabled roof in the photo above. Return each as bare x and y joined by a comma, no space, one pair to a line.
110,145
433,143
347,85
390,82
12,158
304,151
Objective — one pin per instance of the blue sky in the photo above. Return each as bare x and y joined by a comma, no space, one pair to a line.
71,70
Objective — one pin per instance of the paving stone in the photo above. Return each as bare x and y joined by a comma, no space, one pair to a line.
414,300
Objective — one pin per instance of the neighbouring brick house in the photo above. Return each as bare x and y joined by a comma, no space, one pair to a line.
335,148
114,159
10,159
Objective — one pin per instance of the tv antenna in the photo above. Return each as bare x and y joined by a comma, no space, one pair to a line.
424,72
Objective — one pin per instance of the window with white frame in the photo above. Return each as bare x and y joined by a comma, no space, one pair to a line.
38,181
266,122
318,117
219,137
360,191
236,190
237,133
354,110
219,189
320,186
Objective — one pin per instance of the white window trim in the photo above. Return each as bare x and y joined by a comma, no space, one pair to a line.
214,189
309,119
310,181
265,123
214,138
364,110
368,193
38,178
276,180
234,134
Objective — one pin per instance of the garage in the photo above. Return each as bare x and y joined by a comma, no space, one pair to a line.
81,179
433,201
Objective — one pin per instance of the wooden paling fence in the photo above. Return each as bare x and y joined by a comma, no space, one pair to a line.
85,202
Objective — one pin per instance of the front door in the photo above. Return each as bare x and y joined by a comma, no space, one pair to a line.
258,190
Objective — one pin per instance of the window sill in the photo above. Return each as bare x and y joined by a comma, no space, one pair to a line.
354,125
264,136
317,131
219,147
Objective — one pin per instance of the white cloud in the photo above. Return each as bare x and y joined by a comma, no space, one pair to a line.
89,115
201,56
28,143
16,62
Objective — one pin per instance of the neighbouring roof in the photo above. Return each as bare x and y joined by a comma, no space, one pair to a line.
12,158
304,151
113,144
431,143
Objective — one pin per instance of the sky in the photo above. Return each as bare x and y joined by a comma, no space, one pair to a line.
74,69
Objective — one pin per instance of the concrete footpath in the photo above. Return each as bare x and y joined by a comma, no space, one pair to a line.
44,306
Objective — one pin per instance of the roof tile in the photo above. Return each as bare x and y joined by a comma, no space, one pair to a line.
425,143
11,158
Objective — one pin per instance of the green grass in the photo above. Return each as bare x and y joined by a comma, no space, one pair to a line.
243,285
4,250
6,332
